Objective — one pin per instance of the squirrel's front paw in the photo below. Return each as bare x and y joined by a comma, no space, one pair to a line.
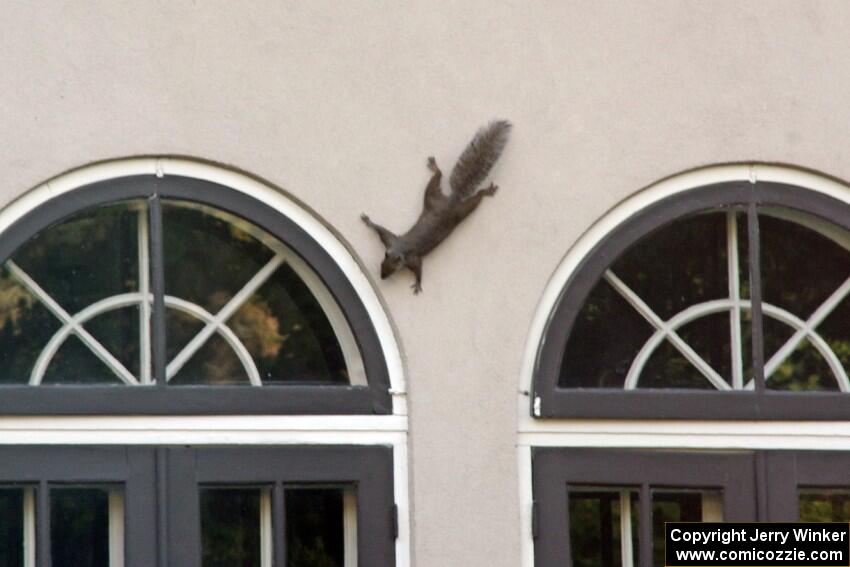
417,288
432,164
365,218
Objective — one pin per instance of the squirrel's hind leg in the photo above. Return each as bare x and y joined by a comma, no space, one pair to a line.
433,193
465,207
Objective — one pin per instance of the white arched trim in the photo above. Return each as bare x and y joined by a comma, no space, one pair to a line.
249,186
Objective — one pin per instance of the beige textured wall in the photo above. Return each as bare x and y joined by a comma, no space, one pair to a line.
340,103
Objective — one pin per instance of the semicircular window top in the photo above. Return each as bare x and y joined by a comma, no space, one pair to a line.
170,298
725,302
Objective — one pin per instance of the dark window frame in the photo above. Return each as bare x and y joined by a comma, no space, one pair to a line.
160,399
557,402
161,486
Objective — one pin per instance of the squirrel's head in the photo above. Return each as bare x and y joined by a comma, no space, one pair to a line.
392,262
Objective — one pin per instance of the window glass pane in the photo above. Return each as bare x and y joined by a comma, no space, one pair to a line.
805,369
11,527
801,264
668,368
75,363
804,261
229,267
88,257
209,255
606,337
835,330
25,327
818,505
118,331
79,527
681,506
215,364
89,261
289,334
678,265
315,532
597,525
230,527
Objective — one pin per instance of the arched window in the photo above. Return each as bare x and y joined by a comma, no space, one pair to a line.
176,295
158,318
723,301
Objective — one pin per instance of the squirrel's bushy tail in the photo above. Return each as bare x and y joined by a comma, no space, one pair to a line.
478,158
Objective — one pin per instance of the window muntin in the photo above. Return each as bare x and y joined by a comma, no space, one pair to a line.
707,309
360,385
239,311
661,320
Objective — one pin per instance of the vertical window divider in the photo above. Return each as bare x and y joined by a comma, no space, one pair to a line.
144,253
116,527
267,527
645,533
42,530
279,525
158,345
627,558
349,529
756,296
29,526
733,269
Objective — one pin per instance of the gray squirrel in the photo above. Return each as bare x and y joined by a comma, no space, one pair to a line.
442,213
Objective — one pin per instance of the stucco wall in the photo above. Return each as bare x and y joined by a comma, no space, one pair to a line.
340,103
